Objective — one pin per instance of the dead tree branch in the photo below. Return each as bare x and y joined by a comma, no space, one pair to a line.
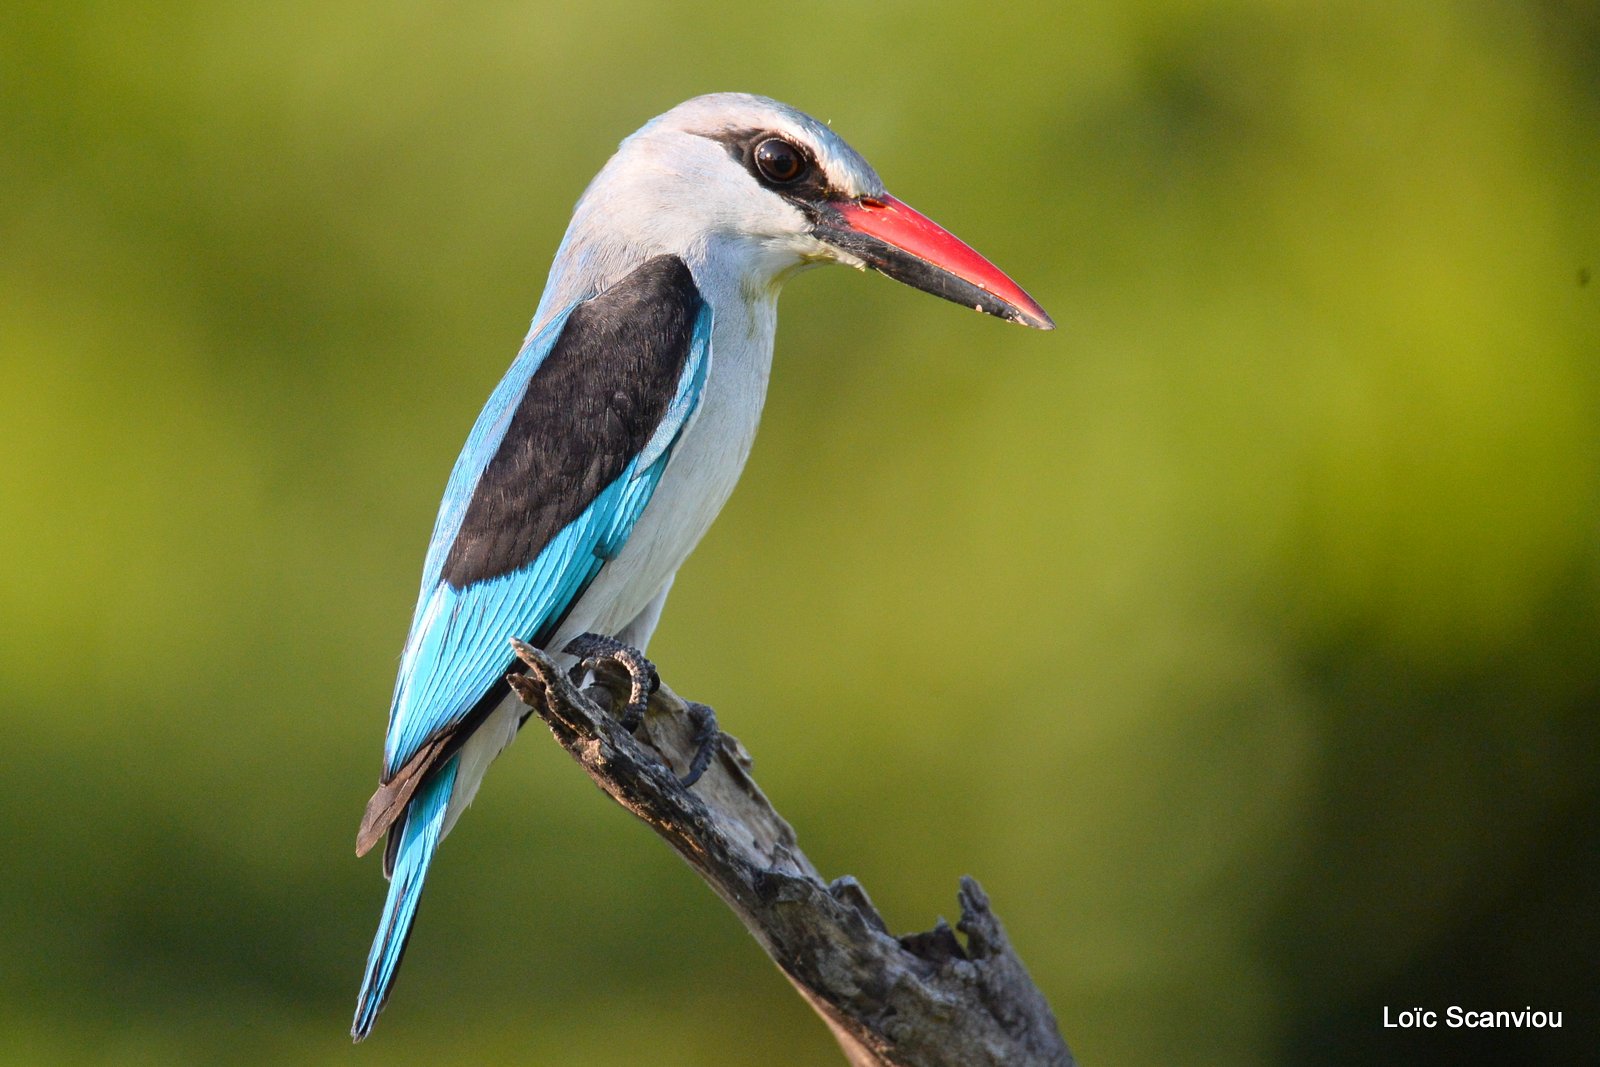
921,1000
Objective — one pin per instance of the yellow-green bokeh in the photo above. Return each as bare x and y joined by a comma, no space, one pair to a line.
1240,636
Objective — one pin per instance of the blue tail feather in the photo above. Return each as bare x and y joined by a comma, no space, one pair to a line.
424,821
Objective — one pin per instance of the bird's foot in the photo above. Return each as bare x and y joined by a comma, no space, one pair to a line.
706,737
595,651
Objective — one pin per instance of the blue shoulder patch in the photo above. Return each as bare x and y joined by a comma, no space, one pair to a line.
482,443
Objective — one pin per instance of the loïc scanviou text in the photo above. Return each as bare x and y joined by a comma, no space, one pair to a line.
1457,1017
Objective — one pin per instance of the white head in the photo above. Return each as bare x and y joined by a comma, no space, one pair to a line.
744,187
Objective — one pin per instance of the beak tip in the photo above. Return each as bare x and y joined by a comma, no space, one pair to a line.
1034,317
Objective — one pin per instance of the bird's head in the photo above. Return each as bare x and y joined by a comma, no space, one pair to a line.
743,185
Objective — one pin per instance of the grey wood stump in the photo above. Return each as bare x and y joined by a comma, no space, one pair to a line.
918,1000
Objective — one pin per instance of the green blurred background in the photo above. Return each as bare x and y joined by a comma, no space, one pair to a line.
1240,636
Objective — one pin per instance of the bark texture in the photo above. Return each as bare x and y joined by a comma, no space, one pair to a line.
918,1000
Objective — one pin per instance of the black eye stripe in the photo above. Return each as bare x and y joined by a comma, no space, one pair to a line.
809,188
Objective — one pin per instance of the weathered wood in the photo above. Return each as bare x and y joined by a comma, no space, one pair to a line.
922,1000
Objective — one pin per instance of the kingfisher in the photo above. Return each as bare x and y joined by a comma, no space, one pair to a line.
618,433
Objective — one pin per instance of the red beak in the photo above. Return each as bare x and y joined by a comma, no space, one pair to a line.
904,244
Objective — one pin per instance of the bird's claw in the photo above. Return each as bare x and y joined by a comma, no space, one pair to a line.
595,651
706,737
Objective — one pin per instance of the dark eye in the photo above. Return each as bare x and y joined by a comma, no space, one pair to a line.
779,161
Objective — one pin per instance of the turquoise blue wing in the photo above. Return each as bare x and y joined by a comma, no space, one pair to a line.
459,646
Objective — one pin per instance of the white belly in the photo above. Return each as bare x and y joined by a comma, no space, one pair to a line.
700,476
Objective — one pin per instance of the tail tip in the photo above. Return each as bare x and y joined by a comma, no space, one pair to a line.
366,1014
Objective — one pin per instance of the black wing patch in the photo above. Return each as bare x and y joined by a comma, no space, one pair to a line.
588,410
